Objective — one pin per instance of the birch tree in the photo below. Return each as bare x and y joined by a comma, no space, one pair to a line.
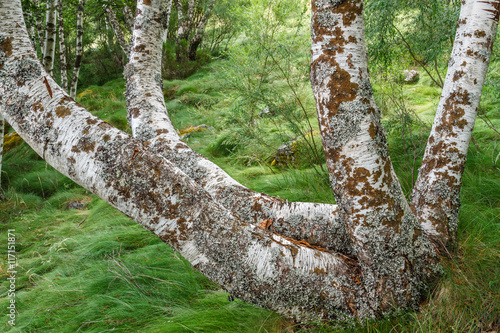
79,48
50,36
115,25
62,47
200,29
2,126
387,257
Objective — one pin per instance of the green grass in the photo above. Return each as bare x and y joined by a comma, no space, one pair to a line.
95,270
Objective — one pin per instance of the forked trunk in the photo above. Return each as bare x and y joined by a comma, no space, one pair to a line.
79,48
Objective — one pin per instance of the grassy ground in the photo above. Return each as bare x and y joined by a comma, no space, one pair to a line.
94,270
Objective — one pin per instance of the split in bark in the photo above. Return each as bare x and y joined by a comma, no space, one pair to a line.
79,48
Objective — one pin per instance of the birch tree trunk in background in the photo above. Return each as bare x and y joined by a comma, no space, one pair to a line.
184,25
50,37
160,183
200,30
436,195
62,48
79,48
116,28
128,17
39,26
167,11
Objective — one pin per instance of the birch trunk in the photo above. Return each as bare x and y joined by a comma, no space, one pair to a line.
116,28
316,224
387,239
79,48
183,27
167,11
39,26
62,48
200,30
249,262
436,195
50,37
128,17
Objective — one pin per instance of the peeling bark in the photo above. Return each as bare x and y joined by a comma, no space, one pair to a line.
252,264
79,48
50,37
62,48
116,28
200,30
436,195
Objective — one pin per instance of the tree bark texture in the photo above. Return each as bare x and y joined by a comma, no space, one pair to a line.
165,18
79,48
50,36
2,133
200,30
184,26
436,195
62,47
128,17
385,259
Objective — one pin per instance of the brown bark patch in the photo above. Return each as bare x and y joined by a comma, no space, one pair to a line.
6,48
62,111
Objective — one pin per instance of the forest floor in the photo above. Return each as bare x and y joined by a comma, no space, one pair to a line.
84,266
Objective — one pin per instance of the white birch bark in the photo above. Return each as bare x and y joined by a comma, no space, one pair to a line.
128,17
120,37
184,24
247,261
62,48
200,30
386,237
79,48
39,26
167,11
436,195
317,224
50,37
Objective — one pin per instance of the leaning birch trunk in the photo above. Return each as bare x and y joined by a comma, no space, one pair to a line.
2,133
62,49
315,224
28,19
248,262
392,250
79,48
200,30
116,29
50,37
436,195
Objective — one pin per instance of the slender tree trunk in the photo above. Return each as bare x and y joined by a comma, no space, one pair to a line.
39,26
436,195
167,11
50,37
62,48
183,28
117,29
79,48
200,29
28,19
128,17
